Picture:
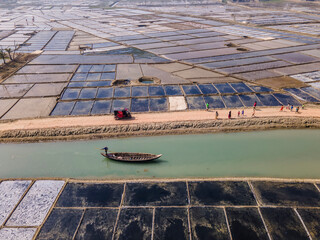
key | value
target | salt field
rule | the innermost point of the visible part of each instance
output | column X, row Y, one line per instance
column 90, row 61
column 46, row 209
column 68, row 64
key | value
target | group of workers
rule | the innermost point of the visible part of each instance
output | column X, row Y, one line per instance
column 289, row 107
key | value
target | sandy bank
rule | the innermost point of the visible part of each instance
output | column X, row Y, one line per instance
column 87, row 127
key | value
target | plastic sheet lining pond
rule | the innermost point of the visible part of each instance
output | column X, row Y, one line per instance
column 140, row 105
column 96, row 68
column 156, row 91
column 121, row 104
column 191, row 89
column 249, row 100
column 195, row 102
column 208, row 89
column 173, row 90
column 88, row 93
column 122, row 92
column 82, row 108
column 105, row 93
column 63, row 108
column 232, row 101
column 71, row 94
column 60, row 41
column 268, row 100
column 158, row 104
column 241, row 87
column 101, row 107
column 312, row 91
column 302, row 95
column 224, row 88
column 145, row 98
column 214, row 101
column 286, row 99
column 98, row 84
column 258, row 89
column 140, row 91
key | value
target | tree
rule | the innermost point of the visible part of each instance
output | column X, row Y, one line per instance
column 9, row 51
column 3, row 55
column 15, row 49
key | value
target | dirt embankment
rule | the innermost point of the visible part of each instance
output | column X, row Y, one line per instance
column 157, row 128
column 19, row 61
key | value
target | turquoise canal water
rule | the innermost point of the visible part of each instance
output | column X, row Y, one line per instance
column 279, row 153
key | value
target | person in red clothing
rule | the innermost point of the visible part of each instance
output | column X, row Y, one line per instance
column 120, row 114
column 229, row 115
column 281, row 109
column 254, row 105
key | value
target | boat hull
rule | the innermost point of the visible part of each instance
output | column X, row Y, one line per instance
column 131, row 157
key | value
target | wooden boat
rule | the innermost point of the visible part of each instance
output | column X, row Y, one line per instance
column 131, row 157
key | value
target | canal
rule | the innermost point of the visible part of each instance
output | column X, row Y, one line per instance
column 278, row 153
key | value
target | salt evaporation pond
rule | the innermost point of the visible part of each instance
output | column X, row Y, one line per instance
column 278, row 153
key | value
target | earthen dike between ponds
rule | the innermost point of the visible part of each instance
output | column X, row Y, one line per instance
column 152, row 124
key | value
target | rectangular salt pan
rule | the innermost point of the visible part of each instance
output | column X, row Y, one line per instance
column 308, row 77
column 36, row 204
column 96, row 68
column 101, row 107
column 79, row 77
column 109, row 68
column 80, row 59
column 10, row 194
column 177, row 103
column 249, row 100
column 71, row 93
column 195, row 102
column 84, row 68
column 140, row 105
column 241, row 87
column 93, row 76
column 208, row 89
column 158, row 104
column 232, row 101
column 61, row 224
column 108, row 75
column 122, row 92
column 76, row 84
column 82, row 108
column 14, row 90
column 191, row 89
column 98, row 84
column 140, row 91
column 312, row 91
column 224, row 88
column 105, row 93
column 62, row 109
column 121, row 104
column 315, row 85
column 258, row 89
column 88, row 93
column 214, row 101
column 287, row 99
column 268, row 100
column 302, row 95
column 17, row 233
column 156, row 91
column 173, row 90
